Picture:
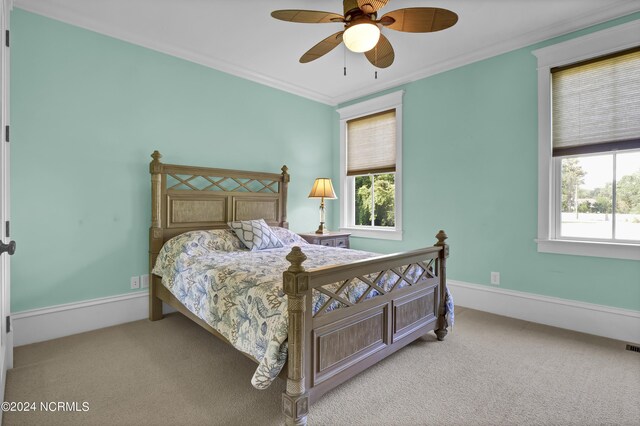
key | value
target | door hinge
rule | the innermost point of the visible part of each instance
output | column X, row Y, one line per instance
column 6, row 229
column 8, row 323
column 6, row 133
column 6, row 38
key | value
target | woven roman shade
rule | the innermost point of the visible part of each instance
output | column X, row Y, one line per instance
column 596, row 105
column 371, row 144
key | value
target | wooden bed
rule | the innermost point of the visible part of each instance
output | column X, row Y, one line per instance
column 324, row 349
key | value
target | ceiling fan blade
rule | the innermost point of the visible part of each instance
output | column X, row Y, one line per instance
column 419, row 19
column 382, row 55
column 307, row 16
column 371, row 6
column 322, row 48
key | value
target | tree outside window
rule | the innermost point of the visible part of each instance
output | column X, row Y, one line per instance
column 598, row 203
column 378, row 198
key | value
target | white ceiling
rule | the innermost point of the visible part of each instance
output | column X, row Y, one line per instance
column 240, row 37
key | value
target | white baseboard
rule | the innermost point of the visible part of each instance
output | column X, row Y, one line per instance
column 606, row 321
column 42, row 324
column 49, row 323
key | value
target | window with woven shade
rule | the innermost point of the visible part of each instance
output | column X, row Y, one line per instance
column 596, row 138
column 371, row 167
column 589, row 144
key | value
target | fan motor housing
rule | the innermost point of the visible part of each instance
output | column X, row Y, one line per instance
column 350, row 5
column 352, row 11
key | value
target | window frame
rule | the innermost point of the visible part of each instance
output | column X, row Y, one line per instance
column 582, row 48
column 347, row 183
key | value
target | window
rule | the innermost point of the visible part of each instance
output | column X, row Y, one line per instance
column 589, row 145
column 600, row 197
column 375, row 196
column 370, row 164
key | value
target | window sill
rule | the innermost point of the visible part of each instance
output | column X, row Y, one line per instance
column 382, row 234
column 590, row 248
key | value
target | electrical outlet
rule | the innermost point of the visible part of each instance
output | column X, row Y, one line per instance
column 495, row 278
column 135, row 282
column 144, row 281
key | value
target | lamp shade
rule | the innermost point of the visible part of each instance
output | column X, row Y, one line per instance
column 322, row 188
column 361, row 37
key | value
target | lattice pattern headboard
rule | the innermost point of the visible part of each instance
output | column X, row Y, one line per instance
column 185, row 198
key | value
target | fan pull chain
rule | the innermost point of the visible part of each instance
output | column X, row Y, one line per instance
column 345, row 60
column 376, row 71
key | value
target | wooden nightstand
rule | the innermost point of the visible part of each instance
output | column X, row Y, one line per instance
column 331, row 239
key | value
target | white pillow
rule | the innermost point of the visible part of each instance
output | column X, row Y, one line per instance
column 288, row 238
column 195, row 244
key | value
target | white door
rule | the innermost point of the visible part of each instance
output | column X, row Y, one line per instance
column 7, row 247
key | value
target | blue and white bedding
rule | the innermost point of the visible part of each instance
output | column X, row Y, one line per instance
column 239, row 292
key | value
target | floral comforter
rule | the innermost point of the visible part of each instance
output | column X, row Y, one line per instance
column 239, row 292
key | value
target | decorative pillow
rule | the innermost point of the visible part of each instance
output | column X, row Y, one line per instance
column 288, row 238
column 256, row 234
column 196, row 244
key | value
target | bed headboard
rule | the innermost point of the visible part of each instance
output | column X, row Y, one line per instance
column 186, row 198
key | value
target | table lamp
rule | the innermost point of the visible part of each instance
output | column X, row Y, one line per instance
column 322, row 188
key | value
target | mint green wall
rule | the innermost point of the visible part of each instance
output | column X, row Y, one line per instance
column 86, row 113
column 471, row 168
column 87, row 110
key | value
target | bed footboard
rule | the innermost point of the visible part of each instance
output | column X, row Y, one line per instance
column 328, row 346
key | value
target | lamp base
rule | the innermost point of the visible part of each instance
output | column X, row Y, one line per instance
column 321, row 229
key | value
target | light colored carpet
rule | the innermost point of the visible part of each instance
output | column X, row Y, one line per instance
column 489, row 371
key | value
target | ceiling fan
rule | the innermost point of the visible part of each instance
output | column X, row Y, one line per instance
column 362, row 28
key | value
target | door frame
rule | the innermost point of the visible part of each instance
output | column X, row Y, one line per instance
column 6, row 332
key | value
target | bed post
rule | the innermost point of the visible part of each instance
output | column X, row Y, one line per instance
column 441, row 331
column 284, row 190
column 155, row 234
column 295, row 401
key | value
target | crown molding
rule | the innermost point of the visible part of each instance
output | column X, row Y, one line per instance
column 580, row 22
column 584, row 20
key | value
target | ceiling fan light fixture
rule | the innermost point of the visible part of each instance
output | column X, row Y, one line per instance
column 361, row 32
column 361, row 37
